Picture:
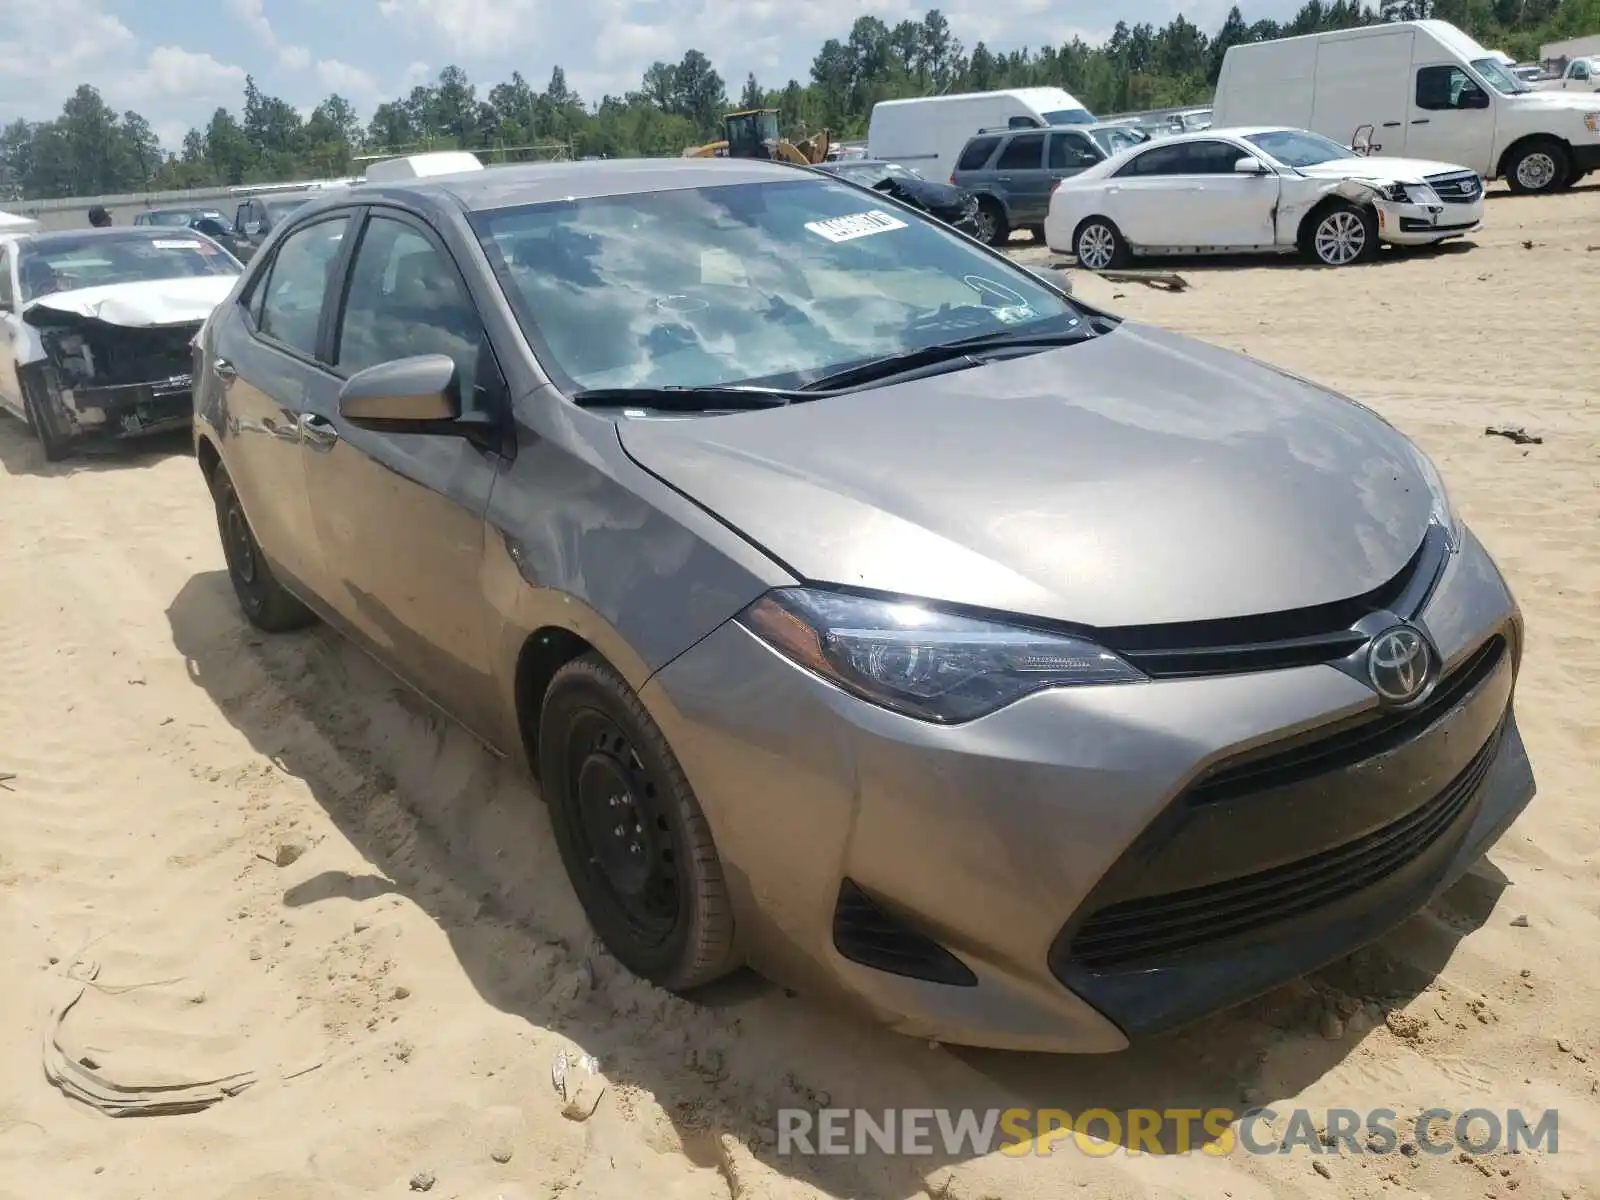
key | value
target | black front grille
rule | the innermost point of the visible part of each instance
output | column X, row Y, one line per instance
column 865, row 934
column 1155, row 927
column 1327, row 748
column 1457, row 188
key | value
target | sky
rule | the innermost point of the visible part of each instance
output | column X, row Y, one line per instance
column 175, row 61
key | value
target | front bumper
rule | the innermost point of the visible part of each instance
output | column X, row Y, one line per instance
column 1003, row 840
column 1422, row 224
column 131, row 410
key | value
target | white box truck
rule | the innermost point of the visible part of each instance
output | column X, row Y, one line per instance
column 927, row 133
column 1424, row 89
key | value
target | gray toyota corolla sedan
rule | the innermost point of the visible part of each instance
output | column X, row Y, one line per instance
column 869, row 611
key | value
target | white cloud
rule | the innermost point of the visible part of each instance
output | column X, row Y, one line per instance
column 472, row 28
column 173, row 73
column 254, row 16
column 353, row 83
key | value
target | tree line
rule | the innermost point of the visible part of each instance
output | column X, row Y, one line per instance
column 91, row 149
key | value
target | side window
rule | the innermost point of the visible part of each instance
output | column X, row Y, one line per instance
column 1445, row 88
column 977, row 153
column 1069, row 151
column 1161, row 160
column 1023, row 153
column 1211, row 158
column 291, row 303
column 1580, row 70
column 407, row 298
column 8, row 299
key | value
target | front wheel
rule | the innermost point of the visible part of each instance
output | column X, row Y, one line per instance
column 1343, row 235
column 52, row 442
column 266, row 602
column 631, row 834
column 1539, row 167
column 1099, row 245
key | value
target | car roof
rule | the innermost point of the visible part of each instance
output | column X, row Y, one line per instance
column 539, row 183
column 1234, row 131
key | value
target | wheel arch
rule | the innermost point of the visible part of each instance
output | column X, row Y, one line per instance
column 208, row 456
column 544, row 652
column 1334, row 199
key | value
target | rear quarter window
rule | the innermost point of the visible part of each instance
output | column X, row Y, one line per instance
column 977, row 153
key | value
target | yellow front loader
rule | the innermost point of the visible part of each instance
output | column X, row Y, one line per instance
column 753, row 133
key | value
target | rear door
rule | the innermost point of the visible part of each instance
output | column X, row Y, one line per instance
column 400, row 516
column 268, row 362
column 1021, row 180
column 1364, row 80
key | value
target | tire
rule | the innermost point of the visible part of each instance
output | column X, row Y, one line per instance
column 1099, row 245
column 266, row 603
column 992, row 226
column 1538, row 167
column 42, row 422
column 655, row 894
column 1341, row 234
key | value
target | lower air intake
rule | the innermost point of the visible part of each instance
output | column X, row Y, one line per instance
column 865, row 934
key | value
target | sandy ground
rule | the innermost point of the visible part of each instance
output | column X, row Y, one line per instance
column 400, row 987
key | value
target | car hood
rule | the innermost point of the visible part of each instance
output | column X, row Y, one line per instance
column 1378, row 169
column 1137, row 478
column 135, row 305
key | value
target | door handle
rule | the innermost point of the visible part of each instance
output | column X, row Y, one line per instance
column 1391, row 124
column 225, row 370
column 318, row 432
column 1004, row 178
column 1421, row 121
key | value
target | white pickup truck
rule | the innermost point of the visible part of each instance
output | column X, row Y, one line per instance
column 1581, row 75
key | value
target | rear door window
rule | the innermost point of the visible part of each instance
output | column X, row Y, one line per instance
column 1023, row 153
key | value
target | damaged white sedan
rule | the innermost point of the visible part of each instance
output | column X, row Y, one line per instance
column 1241, row 191
column 96, row 328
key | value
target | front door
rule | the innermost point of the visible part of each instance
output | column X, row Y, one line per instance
column 1069, row 153
column 400, row 516
column 265, row 359
column 1450, row 118
column 1216, row 205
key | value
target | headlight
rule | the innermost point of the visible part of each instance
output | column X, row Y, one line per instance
column 1444, row 512
column 1421, row 193
column 921, row 662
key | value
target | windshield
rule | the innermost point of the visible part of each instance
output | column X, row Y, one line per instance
column 1116, row 140
column 1299, row 148
column 1069, row 116
column 777, row 283
column 1496, row 76
column 66, row 264
column 278, row 209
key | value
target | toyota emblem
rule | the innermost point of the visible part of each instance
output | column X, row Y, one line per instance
column 1397, row 664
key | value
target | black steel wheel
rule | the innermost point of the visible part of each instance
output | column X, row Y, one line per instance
column 267, row 604
column 630, row 832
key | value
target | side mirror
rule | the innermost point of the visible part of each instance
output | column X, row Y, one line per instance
column 1052, row 277
column 252, row 229
column 1249, row 166
column 407, row 395
column 1474, row 99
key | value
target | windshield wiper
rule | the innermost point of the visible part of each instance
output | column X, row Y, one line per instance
column 676, row 398
column 879, row 369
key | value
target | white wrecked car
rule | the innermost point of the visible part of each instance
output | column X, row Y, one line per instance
column 97, row 325
column 1240, row 191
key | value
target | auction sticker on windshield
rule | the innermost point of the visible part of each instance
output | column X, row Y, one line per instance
column 173, row 245
column 856, row 225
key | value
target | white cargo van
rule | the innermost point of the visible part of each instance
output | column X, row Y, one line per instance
column 421, row 166
column 1426, row 90
column 927, row 132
